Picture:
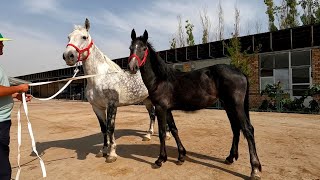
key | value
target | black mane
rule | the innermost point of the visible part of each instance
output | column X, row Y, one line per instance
column 162, row 70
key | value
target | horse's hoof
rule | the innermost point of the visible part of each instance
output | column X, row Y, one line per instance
column 228, row 162
column 255, row 175
column 111, row 159
column 146, row 137
column 156, row 166
column 168, row 137
column 101, row 154
column 179, row 162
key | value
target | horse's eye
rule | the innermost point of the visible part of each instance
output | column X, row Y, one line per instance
column 145, row 48
column 84, row 37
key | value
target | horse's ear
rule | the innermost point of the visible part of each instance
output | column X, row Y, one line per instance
column 133, row 34
column 145, row 35
column 87, row 24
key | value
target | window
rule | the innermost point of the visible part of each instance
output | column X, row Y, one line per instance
column 299, row 90
column 274, row 68
column 267, row 61
column 301, row 75
column 265, row 81
column 300, row 63
column 282, row 76
column 300, row 58
column 281, row 61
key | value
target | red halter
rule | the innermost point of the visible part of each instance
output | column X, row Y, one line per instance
column 140, row 63
column 80, row 51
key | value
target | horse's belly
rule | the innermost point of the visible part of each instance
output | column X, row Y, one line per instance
column 132, row 97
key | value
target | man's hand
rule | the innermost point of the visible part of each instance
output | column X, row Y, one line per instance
column 23, row 88
column 19, row 97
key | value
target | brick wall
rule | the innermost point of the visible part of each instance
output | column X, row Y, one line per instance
column 316, row 66
column 254, row 91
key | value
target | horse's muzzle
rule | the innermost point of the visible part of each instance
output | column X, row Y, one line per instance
column 133, row 70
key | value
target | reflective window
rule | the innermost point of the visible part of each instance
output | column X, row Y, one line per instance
column 299, row 58
column 301, row 75
column 299, row 90
column 281, row 60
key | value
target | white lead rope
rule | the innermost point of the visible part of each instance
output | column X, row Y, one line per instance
column 25, row 107
column 57, row 93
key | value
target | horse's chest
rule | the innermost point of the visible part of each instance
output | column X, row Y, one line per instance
column 96, row 97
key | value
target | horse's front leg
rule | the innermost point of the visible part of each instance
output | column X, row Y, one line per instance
column 111, row 118
column 101, row 115
column 174, row 131
column 161, row 116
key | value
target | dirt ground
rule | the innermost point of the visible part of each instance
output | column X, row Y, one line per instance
column 68, row 137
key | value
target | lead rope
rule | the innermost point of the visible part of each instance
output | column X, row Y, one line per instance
column 25, row 107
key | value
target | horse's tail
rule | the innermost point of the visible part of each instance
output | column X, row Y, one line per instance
column 246, row 100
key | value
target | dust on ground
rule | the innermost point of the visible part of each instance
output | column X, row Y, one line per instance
column 68, row 137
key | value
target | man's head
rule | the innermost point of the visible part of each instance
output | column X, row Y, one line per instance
column 1, row 43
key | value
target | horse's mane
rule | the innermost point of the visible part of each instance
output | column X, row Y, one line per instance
column 161, row 69
column 112, row 64
column 78, row 27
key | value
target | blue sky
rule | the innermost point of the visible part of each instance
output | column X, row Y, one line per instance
column 40, row 27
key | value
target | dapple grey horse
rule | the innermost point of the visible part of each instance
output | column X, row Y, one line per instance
column 110, row 88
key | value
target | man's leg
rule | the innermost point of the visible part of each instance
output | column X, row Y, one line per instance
column 5, row 167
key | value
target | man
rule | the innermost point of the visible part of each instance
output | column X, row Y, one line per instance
column 7, row 94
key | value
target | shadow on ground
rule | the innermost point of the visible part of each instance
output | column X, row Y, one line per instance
column 92, row 144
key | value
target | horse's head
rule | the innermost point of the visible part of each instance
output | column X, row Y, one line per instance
column 80, row 42
column 138, row 51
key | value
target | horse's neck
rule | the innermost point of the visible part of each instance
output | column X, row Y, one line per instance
column 98, row 63
column 150, row 73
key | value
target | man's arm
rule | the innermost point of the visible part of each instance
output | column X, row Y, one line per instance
column 7, row 91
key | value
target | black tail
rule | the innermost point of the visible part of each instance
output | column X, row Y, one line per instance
column 246, row 100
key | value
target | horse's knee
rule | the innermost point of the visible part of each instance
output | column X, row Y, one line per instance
column 248, row 131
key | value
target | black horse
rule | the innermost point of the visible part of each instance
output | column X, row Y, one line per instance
column 172, row 90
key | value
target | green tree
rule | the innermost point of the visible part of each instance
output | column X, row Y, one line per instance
column 292, row 17
column 240, row 59
column 311, row 12
column 270, row 12
column 287, row 14
column 173, row 43
column 189, row 30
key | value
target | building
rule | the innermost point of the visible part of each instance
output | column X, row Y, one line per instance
column 291, row 56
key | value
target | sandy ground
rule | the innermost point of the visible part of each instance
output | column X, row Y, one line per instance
column 68, row 137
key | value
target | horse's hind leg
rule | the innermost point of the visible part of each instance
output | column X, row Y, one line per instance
column 248, row 132
column 235, row 126
column 100, row 113
column 151, row 110
column 111, row 117
column 174, row 131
